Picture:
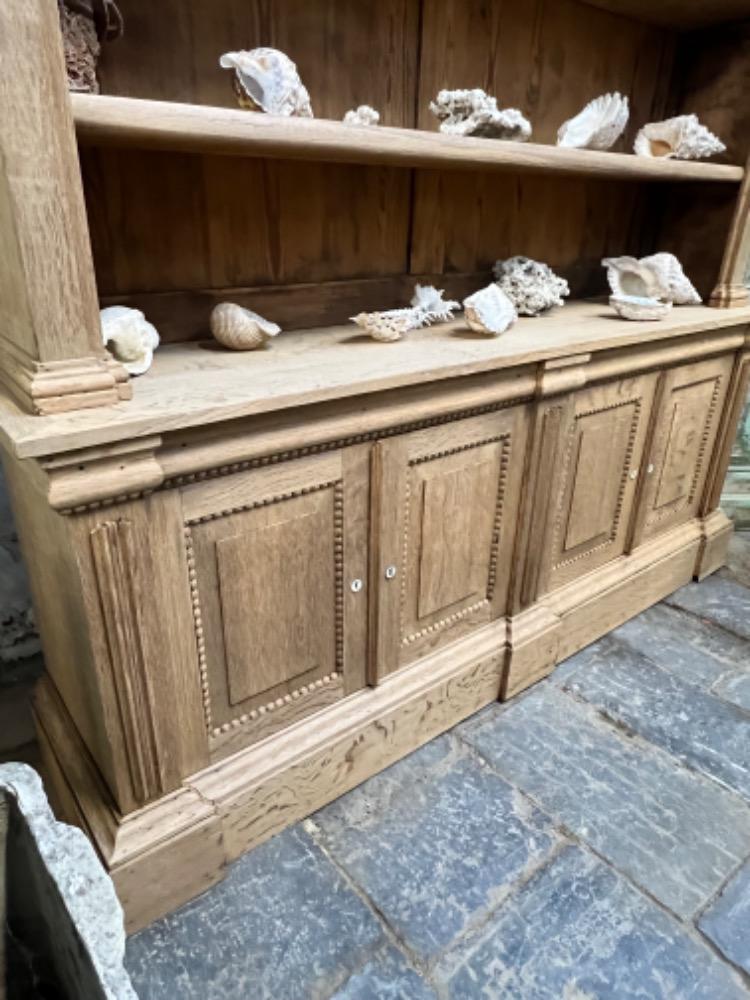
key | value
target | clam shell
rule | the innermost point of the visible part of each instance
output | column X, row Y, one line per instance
column 129, row 337
column 598, row 126
column 363, row 115
column 267, row 80
column 385, row 326
column 639, row 307
column 489, row 311
column 680, row 138
column 240, row 329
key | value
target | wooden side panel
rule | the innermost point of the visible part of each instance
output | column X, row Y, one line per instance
column 599, row 472
column 447, row 499
column 685, row 428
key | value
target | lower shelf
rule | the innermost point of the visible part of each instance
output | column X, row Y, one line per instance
column 170, row 851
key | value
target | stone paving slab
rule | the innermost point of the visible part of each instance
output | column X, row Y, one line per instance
column 727, row 922
column 283, row 925
column 735, row 688
column 705, row 732
column 443, row 850
column 386, row 977
column 673, row 832
column 577, row 931
column 684, row 645
column 718, row 600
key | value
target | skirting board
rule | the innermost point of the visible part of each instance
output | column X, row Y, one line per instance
column 172, row 850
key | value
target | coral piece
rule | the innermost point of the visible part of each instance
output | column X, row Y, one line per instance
column 240, row 329
column 85, row 24
column 129, row 337
column 267, row 80
column 427, row 306
column 681, row 138
column 363, row 115
column 489, row 311
column 473, row 112
column 532, row 286
column 659, row 276
column 598, row 126
column 639, row 307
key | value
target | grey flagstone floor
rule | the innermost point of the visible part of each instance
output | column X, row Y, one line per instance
column 590, row 839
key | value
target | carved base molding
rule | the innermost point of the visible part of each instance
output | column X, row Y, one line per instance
column 166, row 853
column 729, row 296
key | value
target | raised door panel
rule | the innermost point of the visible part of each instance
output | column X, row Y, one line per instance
column 685, row 428
column 267, row 555
column 444, row 527
column 597, row 479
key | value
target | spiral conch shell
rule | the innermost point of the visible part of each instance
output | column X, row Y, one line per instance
column 598, row 126
column 240, row 329
column 129, row 337
column 680, row 138
column 659, row 276
column 267, row 80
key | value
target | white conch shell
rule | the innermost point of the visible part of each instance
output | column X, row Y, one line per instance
column 363, row 115
column 681, row 138
column 129, row 337
column 659, row 276
column 531, row 286
column 385, row 326
column 489, row 311
column 598, row 126
column 267, row 80
column 473, row 112
column 427, row 306
column 240, row 329
column 639, row 307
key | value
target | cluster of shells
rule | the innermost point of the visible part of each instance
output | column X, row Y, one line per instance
column 646, row 289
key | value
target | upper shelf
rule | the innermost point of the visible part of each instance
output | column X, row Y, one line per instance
column 685, row 15
column 126, row 121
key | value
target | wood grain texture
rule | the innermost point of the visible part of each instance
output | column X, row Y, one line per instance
column 682, row 14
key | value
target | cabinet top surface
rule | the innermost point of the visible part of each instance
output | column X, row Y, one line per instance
column 199, row 383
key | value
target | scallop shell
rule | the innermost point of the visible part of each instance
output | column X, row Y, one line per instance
column 659, row 276
column 129, row 337
column 240, row 329
column 639, row 307
column 680, row 138
column 474, row 112
column 267, row 80
column 489, row 311
column 531, row 285
column 363, row 115
column 598, row 126
column 385, row 326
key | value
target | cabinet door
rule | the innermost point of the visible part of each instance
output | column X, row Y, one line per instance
column 596, row 481
column 270, row 553
column 445, row 502
column 686, row 422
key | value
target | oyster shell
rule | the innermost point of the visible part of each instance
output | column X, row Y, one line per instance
column 489, row 311
column 680, row 138
column 267, row 80
column 639, row 307
column 598, row 126
column 129, row 337
column 363, row 115
column 531, row 285
column 240, row 329
column 473, row 112
column 659, row 276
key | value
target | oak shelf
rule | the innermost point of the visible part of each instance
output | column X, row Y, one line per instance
column 165, row 125
column 197, row 383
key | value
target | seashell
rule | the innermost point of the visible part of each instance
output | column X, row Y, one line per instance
column 363, row 115
column 429, row 306
column 639, row 307
column 385, row 326
column 680, row 138
column 531, row 286
column 598, row 126
column 129, row 337
column 489, row 310
column 659, row 276
column 240, row 329
column 267, row 80
column 473, row 112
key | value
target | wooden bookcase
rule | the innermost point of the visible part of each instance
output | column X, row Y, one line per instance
column 261, row 578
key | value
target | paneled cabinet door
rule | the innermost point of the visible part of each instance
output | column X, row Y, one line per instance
column 271, row 553
column 445, row 503
column 686, row 421
column 596, row 477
